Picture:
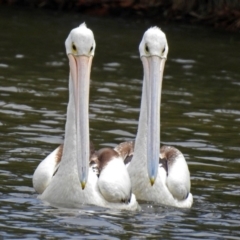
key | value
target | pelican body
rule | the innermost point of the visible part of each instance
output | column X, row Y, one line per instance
column 156, row 176
column 82, row 177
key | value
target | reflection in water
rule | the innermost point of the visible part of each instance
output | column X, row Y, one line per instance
column 200, row 116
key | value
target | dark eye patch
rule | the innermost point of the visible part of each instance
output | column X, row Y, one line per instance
column 146, row 48
column 74, row 47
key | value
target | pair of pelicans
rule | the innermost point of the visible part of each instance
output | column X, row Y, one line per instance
column 74, row 174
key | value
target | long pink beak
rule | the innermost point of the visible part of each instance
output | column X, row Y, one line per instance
column 80, row 67
column 153, row 75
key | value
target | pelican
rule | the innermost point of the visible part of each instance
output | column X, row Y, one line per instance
column 156, row 176
column 73, row 175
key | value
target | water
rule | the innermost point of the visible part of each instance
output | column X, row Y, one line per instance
column 200, row 116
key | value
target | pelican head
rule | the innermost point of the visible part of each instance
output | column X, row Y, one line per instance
column 153, row 52
column 80, row 47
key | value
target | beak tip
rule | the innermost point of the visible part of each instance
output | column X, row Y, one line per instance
column 152, row 180
column 83, row 185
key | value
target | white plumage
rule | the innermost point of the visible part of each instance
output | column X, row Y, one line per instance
column 119, row 188
column 170, row 185
column 74, row 183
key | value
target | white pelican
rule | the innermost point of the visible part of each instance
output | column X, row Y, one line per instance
column 158, row 177
column 72, row 183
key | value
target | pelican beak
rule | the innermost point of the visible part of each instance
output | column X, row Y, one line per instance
column 153, row 75
column 80, row 67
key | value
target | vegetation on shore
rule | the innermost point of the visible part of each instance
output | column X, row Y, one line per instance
column 218, row 13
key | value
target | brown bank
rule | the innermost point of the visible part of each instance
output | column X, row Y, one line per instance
column 218, row 13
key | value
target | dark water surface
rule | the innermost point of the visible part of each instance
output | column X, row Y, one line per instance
column 200, row 116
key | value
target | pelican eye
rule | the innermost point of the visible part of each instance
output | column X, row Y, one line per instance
column 146, row 49
column 74, row 47
column 91, row 48
column 163, row 50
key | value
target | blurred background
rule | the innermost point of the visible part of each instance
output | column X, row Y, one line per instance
column 218, row 13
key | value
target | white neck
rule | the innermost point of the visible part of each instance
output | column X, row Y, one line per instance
column 69, row 148
column 140, row 150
